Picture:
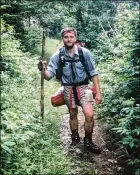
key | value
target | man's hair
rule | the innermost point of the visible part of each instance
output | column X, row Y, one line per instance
column 68, row 29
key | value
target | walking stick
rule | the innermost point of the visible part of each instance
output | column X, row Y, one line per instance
column 42, row 76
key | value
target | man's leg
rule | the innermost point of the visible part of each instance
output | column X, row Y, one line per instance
column 88, row 127
column 89, row 121
column 73, row 121
column 73, row 111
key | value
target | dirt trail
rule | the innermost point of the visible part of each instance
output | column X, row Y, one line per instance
column 87, row 163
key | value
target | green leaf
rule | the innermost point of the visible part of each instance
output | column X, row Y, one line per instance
column 6, row 148
column 125, row 141
column 131, row 144
column 8, row 143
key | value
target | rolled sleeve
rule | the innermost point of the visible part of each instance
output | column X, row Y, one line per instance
column 53, row 65
column 89, row 61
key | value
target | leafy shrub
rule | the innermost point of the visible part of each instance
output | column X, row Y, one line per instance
column 29, row 145
column 120, row 82
column 32, row 39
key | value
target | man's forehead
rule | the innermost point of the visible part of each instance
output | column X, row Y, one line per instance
column 68, row 33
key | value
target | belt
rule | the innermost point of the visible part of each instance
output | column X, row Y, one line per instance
column 85, row 82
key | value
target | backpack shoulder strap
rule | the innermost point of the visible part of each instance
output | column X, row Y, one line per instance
column 61, row 57
column 82, row 59
column 61, row 54
column 59, row 71
column 81, row 55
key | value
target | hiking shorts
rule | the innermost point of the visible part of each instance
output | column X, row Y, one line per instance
column 85, row 96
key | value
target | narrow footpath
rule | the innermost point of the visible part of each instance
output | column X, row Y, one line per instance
column 87, row 163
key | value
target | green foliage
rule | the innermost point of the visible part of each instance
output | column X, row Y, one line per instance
column 128, row 126
column 29, row 145
column 10, row 12
column 51, row 45
column 118, row 61
column 32, row 38
column 9, row 50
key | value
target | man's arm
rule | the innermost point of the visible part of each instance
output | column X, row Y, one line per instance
column 93, row 74
column 42, row 66
column 51, row 67
column 98, row 97
column 47, row 75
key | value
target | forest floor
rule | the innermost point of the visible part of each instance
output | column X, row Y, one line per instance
column 87, row 163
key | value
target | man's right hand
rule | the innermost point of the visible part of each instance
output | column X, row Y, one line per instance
column 41, row 65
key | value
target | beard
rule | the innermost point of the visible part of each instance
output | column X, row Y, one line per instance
column 69, row 47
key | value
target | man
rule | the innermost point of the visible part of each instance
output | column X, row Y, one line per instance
column 75, row 78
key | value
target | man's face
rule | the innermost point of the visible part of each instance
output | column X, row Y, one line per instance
column 69, row 39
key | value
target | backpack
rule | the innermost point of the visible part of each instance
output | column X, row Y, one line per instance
column 58, row 99
column 59, row 72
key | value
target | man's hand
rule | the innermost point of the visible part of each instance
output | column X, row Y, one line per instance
column 98, row 98
column 41, row 65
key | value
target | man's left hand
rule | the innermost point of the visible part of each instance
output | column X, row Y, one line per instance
column 98, row 98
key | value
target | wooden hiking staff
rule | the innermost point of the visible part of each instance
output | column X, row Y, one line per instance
column 42, row 75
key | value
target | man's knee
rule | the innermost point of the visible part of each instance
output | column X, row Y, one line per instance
column 89, row 114
column 88, row 110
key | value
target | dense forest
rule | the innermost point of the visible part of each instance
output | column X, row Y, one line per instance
column 111, row 31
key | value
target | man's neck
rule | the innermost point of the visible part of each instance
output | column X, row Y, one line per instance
column 70, row 51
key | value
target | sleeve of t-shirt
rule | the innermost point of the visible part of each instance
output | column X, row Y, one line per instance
column 90, row 64
column 53, row 64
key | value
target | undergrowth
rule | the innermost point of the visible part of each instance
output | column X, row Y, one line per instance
column 29, row 144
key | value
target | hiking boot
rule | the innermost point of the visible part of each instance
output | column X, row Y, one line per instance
column 75, row 139
column 90, row 146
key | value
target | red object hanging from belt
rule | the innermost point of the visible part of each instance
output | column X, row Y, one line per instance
column 70, row 99
column 93, row 90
